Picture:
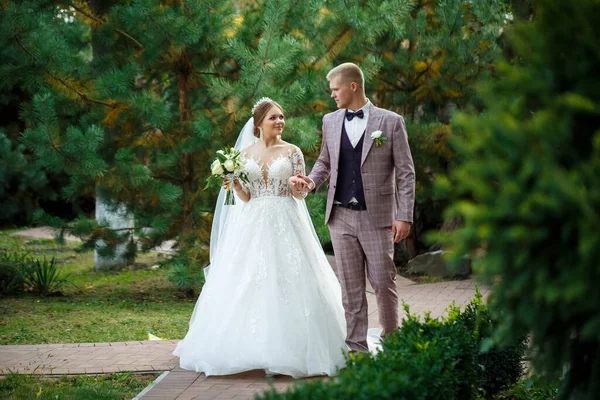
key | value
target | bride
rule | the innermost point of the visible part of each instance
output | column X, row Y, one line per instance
column 271, row 300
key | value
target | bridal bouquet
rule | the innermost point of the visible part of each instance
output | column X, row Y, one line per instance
column 228, row 164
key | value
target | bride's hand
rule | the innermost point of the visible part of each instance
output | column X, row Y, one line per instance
column 236, row 183
column 305, row 183
column 296, row 183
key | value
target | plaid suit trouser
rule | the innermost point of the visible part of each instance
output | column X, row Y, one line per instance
column 362, row 248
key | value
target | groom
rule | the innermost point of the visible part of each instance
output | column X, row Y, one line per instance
column 370, row 198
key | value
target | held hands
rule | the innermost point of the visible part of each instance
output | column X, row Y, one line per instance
column 300, row 183
column 298, row 186
column 400, row 229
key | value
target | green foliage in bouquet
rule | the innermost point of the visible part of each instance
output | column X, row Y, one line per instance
column 228, row 163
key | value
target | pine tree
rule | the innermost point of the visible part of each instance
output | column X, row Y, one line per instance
column 427, row 72
column 19, row 179
column 527, row 188
column 24, row 184
column 175, row 81
column 143, row 121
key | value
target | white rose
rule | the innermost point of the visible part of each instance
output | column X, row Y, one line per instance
column 220, row 152
column 229, row 165
column 216, row 168
column 376, row 134
column 239, row 167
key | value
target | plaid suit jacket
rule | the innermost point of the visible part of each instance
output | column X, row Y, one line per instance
column 388, row 171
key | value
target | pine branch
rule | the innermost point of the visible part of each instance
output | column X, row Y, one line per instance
column 101, row 21
column 83, row 96
column 332, row 45
column 167, row 34
column 218, row 74
column 293, row 5
column 456, row 18
column 264, row 62
column 395, row 86
column 167, row 177
column 119, row 229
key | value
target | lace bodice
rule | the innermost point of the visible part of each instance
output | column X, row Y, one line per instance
column 270, row 178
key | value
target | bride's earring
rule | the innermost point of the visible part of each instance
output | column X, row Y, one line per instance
column 260, row 136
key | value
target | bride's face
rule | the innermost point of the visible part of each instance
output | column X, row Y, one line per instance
column 273, row 123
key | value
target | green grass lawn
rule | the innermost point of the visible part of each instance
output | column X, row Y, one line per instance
column 100, row 307
column 101, row 387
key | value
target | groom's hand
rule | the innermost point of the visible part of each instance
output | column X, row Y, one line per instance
column 400, row 229
column 306, row 184
column 298, row 183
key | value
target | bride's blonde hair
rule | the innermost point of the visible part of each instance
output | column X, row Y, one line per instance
column 260, row 112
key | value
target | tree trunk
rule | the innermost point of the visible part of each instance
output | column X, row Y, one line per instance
column 185, row 114
column 117, row 219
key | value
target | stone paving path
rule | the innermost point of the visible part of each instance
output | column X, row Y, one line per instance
column 187, row 385
column 88, row 358
column 156, row 356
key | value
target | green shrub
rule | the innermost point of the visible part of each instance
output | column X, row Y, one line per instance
column 186, row 279
column 11, row 277
column 497, row 366
column 500, row 367
column 43, row 276
column 527, row 185
column 529, row 389
column 424, row 359
column 187, row 267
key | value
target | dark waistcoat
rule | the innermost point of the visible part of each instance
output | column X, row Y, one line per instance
column 349, row 179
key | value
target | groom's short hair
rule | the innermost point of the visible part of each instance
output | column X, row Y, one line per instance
column 348, row 73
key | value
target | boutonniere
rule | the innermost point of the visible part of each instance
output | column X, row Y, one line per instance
column 378, row 137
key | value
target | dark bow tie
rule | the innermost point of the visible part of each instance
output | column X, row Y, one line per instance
column 350, row 115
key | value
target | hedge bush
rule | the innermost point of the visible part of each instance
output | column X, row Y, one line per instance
column 11, row 276
column 424, row 359
column 527, row 187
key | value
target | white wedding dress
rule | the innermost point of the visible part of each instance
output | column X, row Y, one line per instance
column 271, row 300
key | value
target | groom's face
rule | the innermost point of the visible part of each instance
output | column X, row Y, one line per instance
column 341, row 92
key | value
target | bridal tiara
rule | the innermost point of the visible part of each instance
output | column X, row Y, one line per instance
column 259, row 102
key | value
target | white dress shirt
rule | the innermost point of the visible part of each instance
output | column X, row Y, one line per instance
column 357, row 126
column 355, row 130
